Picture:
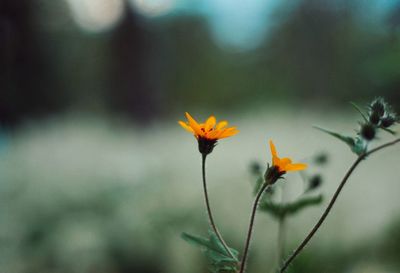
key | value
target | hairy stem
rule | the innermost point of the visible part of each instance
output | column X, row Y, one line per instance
column 332, row 202
column 209, row 213
column 251, row 225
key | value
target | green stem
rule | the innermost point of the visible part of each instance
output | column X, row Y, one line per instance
column 251, row 225
column 332, row 202
column 209, row 213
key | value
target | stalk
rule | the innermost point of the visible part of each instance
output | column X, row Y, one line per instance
column 332, row 202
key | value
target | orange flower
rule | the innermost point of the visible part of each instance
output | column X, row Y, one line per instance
column 209, row 130
column 284, row 164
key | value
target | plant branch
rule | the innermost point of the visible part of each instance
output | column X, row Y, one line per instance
column 251, row 225
column 332, row 202
column 209, row 213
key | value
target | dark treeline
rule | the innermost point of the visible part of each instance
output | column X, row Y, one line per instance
column 321, row 52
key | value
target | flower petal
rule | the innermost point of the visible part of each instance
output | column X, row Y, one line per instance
column 295, row 167
column 185, row 126
column 276, row 161
column 228, row 132
column 285, row 161
column 193, row 123
column 221, row 124
column 273, row 149
column 210, row 123
column 213, row 134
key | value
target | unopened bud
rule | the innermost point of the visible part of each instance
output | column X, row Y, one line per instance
column 321, row 158
column 273, row 174
column 378, row 107
column 315, row 182
column 206, row 146
column 388, row 121
column 374, row 118
column 368, row 131
column 255, row 168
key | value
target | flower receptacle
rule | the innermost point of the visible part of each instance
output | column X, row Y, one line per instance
column 206, row 146
column 273, row 174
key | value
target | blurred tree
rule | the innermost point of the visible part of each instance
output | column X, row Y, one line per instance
column 26, row 81
column 323, row 51
column 135, row 77
column 312, row 52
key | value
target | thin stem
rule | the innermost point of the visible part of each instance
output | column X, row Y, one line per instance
column 251, row 225
column 281, row 240
column 332, row 202
column 209, row 213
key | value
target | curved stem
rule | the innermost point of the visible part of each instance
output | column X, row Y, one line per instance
column 209, row 213
column 251, row 225
column 332, row 202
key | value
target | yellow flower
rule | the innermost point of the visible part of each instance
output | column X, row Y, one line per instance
column 209, row 130
column 284, row 164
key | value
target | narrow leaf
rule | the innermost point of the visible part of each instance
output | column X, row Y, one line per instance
column 281, row 210
column 357, row 146
column 220, row 261
column 303, row 203
column 359, row 110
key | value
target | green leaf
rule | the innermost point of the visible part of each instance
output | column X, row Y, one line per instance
column 357, row 145
column 196, row 240
column 359, row 110
column 303, row 203
column 346, row 139
column 281, row 210
column 219, row 259
column 276, row 210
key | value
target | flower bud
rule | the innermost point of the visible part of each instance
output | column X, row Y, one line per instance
column 378, row 107
column 206, row 146
column 368, row 131
column 321, row 159
column 273, row 174
column 255, row 168
column 374, row 118
column 388, row 121
column 315, row 182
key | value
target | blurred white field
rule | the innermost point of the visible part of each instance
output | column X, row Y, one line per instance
column 95, row 182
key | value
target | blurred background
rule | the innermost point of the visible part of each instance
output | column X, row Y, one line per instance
column 97, row 176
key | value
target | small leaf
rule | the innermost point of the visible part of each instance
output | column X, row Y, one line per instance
column 359, row 110
column 195, row 240
column 276, row 210
column 280, row 210
column 357, row 145
column 303, row 203
column 348, row 140
column 220, row 261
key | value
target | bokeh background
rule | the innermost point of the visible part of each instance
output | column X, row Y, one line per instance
column 96, row 176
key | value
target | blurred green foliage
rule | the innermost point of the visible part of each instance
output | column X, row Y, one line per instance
column 218, row 257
